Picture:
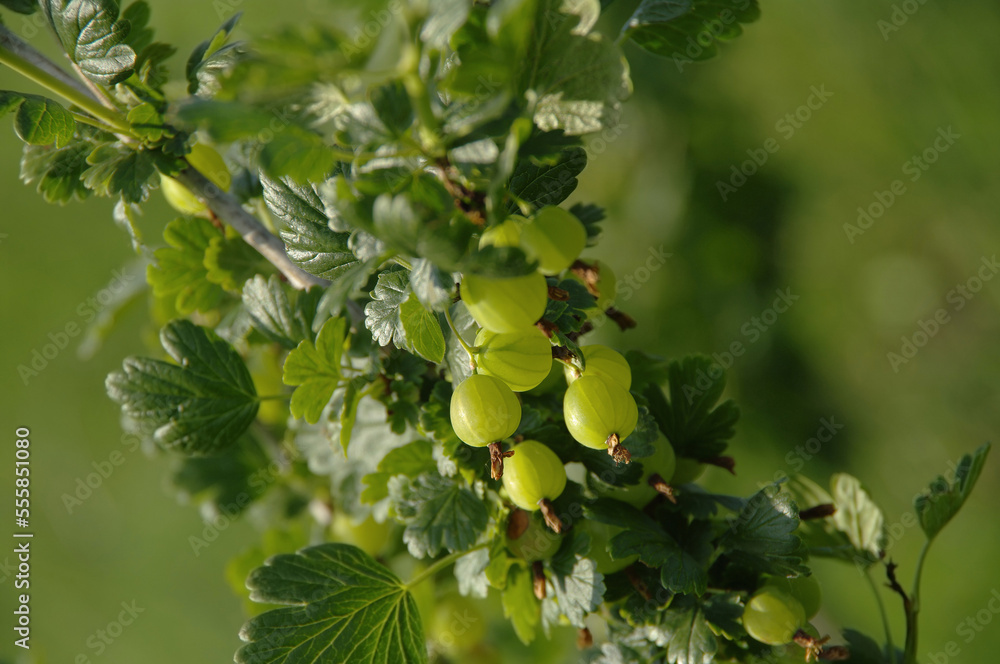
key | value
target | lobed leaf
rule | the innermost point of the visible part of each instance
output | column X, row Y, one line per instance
column 199, row 406
column 315, row 370
column 944, row 498
column 340, row 605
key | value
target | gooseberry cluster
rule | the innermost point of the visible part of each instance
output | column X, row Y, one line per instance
column 513, row 354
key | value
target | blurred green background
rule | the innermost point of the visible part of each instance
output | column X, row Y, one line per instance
column 783, row 229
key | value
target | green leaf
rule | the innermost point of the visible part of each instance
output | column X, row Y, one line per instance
column 119, row 170
column 445, row 17
column 382, row 314
column 38, row 120
column 20, row 6
column 228, row 482
column 57, row 172
column 341, row 605
column 179, row 270
column 125, row 215
column 858, row 516
column 212, row 58
column 439, row 513
column 538, row 185
column 432, row 285
column 411, row 460
column 274, row 541
column 691, row 421
column 200, row 405
column 685, row 633
column 422, row 330
column 230, row 262
column 310, row 242
column 315, row 370
column 519, row 603
column 298, row 154
column 579, row 591
column 283, row 315
column 764, row 532
column 590, row 216
column 944, row 498
column 147, row 122
column 457, row 357
column 569, row 315
column 724, row 612
column 580, row 78
column 93, row 37
column 688, row 30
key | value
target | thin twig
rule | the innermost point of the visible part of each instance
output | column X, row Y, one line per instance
column 16, row 45
column 253, row 232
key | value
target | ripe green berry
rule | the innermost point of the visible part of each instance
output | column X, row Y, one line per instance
column 553, row 237
column 600, row 414
column 484, row 411
column 600, row 535
column 687, row 470
column 520, row 359
column 773, row 617
column 504, row 234
column 536, row 542
column 459, row 623
column 805, row 589
column 534, row 476
column 605, row 362
column 657, row 470
column 508, row 304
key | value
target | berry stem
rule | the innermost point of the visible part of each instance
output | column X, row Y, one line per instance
column 658, row 483
column 538, row 579
column 551, row 519
column 617, row 451
column 497, row 455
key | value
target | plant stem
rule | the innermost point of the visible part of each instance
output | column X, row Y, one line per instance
column 436, row 567
column 11, row 42
column 269, row 246
column 910, row 653
column 68, row 92
column 87, row 120
column 454, row 330
column 885, row 617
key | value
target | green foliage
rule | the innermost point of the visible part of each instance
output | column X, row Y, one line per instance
column 315, row 370
column 380, row 163
column 202, row 404
column 335, row 597
column 179, row 270
column 38, row 120
column 688, row 30
column 93, row 36
column 944, row 498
